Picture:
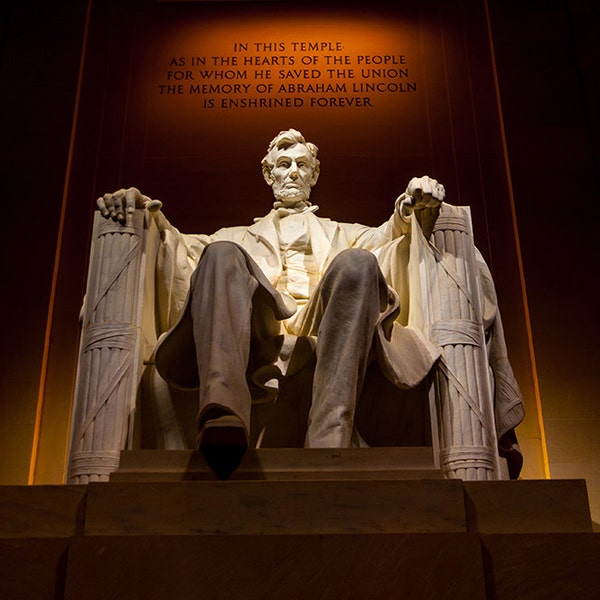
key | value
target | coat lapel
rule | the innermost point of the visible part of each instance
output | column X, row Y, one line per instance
column 262, row 242
column 324, row 240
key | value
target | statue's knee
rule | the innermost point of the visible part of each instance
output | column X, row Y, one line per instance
column 222, row 250
column 220, row 259
column 356, row 263
column 223, row 255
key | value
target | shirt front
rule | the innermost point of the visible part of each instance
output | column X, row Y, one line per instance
column 300, row 270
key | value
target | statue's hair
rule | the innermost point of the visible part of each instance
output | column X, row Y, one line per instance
column 285, row 139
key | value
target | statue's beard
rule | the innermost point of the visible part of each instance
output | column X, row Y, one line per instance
column 291, row 197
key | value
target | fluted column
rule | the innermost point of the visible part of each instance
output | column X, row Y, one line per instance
column 109, row 363
column 453, row 320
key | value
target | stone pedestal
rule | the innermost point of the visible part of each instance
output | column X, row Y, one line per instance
column 301, row 531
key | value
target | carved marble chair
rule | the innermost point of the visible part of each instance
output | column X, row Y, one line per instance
column 121, row 402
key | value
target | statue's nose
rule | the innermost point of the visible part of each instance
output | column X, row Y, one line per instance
column 294, row 172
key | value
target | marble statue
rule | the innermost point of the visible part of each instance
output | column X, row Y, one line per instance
column 245, row 307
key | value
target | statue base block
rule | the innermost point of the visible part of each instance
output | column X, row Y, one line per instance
column 298, row 532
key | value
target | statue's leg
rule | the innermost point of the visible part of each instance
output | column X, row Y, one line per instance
column 223, row 290
column 343, row 313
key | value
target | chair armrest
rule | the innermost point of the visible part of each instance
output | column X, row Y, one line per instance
column 118, row 330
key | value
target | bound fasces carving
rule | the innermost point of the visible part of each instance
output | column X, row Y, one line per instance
column 235, row 303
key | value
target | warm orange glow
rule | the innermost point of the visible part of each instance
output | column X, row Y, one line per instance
column 216, row 76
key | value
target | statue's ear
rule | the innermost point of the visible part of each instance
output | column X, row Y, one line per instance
column 268, row 175
column 315, row 175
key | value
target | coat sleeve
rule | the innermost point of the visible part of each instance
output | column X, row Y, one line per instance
column 373, row 238
column 177, row 257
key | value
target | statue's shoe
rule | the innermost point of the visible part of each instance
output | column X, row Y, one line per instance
column 223, row 441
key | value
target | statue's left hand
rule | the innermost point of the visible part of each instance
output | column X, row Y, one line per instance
column 422, row 198
column 425, row 192
column 422, row 195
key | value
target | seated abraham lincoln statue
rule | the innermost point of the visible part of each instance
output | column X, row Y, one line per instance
column 354, row 294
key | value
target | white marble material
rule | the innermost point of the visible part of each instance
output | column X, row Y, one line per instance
column 441, row 317
column 109, row 367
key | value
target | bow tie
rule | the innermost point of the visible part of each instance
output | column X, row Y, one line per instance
column 282, row 211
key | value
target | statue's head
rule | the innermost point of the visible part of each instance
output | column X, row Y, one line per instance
column 291, row 167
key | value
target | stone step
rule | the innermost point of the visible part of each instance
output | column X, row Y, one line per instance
column 432, row 566
column 333, row 506
column 269, row 567
column 294, row 506
column 283, row 464
column 275, row 507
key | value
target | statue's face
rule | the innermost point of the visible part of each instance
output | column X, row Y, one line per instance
column 293, row 174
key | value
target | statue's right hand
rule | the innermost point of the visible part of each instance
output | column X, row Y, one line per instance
column 118, row 205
